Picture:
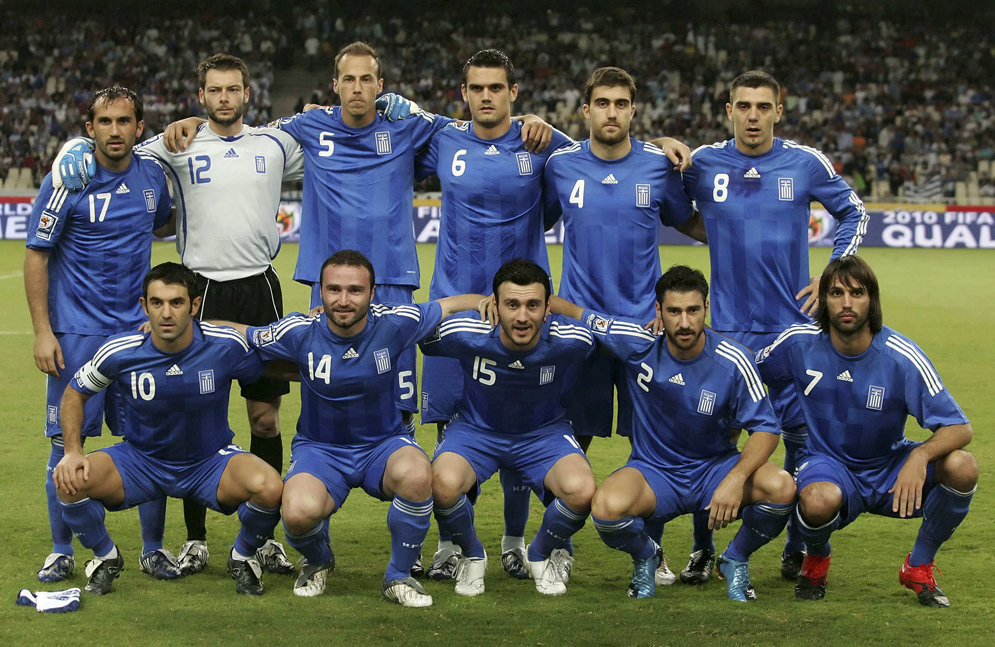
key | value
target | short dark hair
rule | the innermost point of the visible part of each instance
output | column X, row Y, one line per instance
column 611, row 77
column 349, row 258
column 172, row 274
column 223, row 63
column 107, row 95
column 683, row 279
column 490, row 58
column 756, row 79
column 359, row 48
column 850, row 270
column 522, row 272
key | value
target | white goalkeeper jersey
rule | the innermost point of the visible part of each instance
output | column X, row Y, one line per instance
column 227, row 196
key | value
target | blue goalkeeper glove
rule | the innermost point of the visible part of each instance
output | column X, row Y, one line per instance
column 395, row 107
column 75, row 165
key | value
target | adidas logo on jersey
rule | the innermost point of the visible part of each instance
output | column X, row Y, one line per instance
column 492, row 150
column 123, row 189
column 231, row 153
column 516, row 364
column 844, row 376
column 752, row 174
column 174, row 370
column 610, row 179
column 677, row 379
column 350, row 354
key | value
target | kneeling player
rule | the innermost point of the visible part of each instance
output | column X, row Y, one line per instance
column 509, row 416
column 349, row 434
column 175, row 383
column 859, row 383
column 688, row 389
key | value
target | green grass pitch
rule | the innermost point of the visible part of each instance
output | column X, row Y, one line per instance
column 943, row 299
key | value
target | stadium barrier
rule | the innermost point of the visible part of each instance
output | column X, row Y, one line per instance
column 890, row 225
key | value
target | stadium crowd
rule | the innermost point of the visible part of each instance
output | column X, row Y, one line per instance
column 909, row 107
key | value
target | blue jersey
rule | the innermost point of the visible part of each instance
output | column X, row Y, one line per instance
column 508, row 391
column 358, row 190
column 756, row 211
column 347, row 383
column 612, row 211
column 856, row 407
column 683, row 410
column 491, row 205
column 99, row 243
column 176, row 404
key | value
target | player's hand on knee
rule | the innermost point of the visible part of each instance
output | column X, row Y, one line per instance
column 75, row 165
column 395, row 107
column 48, row 354
column 71, row 473
column 536, row 134
column 676, row 151
column 908, row 486
column 179, row 134
column 811, row 295
column 723, row 509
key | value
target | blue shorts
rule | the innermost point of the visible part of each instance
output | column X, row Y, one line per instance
column 344, row 467
column 784, row 401
column 441, row 388
column 532, row 455
column 406, row 386
column 681, row 491
column 863, row 490
column 106, row 405
column 146, row 478
column 589, row 397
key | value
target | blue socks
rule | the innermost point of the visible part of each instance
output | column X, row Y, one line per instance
column 944, row 510
column 704, row 537
column 516, row 502
column 559, row 523
column 86, row 518
column 761, row 522
column 816, row 538
column 408, row 522
column 456, row 521
column 152, row 516
column 794, row 442
column 62, row 535
column 626, row 534
column 257, row 525
column 314, row 544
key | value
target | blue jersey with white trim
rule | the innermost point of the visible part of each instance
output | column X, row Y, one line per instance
column 99, row 243
column 491, row 205
column 612, row 211
column 176, row 404
column 683, row 410
column 507, row 391
column 347, row 383
column 358, row 190
column 757, row 214
column 856, row 406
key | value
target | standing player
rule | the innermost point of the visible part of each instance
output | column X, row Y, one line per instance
column 174, row 383
column 613, row 192
column 491, row 203
column 754, row 193
column 689, row 387
column 350, row 434
column 509, row 416
column 228, row 183
column 859, row 381
column 82, row 275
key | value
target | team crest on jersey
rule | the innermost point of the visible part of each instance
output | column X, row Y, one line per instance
column 206, row 379
column 524, row 163
column 763, row 354
column 263, row 336
column 46, row 225
column 150, row 200
column 598, row 324
column 53, row 415
column 383, row 142
column 875, row 398
column 785, row 189
column 382, row 358
column 546, row 374
column 706, row 403
column 260, row 164
column 642, row 195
